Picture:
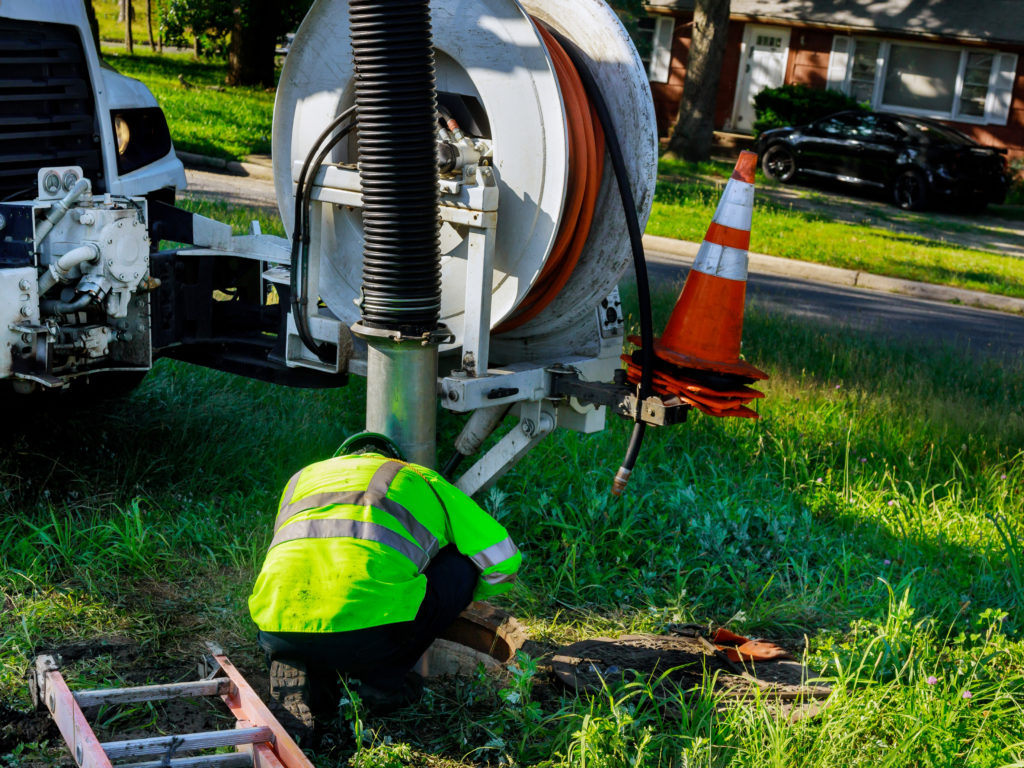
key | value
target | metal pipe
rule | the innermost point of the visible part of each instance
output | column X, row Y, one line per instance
column 59, row 271
column 401, row 396
column 60, row 208
column 400, row 301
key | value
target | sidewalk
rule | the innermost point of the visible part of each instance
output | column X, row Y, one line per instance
column 684, row 252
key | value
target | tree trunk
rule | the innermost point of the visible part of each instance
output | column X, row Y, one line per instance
column 149, row 24
column 121, row 10
column 253, row 41
column 129, row 43
column 695, row 126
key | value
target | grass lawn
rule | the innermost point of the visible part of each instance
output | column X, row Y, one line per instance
column 683, row 209
column 873, row 512
column 226, row 122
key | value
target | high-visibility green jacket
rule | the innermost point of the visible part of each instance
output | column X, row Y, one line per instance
column 353, row 536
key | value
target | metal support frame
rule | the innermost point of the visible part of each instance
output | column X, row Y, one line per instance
column 471, row 203
column 537, row 419
column 259, row 739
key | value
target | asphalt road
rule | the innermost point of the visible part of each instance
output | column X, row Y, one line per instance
column 909, row 319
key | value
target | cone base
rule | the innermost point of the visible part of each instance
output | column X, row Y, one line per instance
column 737, row 367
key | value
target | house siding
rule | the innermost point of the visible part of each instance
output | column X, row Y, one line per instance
column 809, row 51
column 668, row 95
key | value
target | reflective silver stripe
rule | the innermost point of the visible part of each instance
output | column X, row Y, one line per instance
column 353, row 529
column 374, row 496
column 314, row 502
column 286, row 497
column 416, row 529
column 495, row 554
column 382, row 479
column 498, row 578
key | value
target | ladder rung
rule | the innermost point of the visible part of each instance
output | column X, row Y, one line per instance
column 216, row 687
column 230, row 760
column 188, row 742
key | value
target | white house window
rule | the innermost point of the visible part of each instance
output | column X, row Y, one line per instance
column 921, row 79
column 965, row 84
column 862, row 70
column 657, row 55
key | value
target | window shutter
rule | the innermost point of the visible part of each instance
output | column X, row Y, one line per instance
column 661, row 49
column 838, row 64
column 1000, row 88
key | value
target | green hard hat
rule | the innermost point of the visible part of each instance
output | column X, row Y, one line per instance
column 370, row 442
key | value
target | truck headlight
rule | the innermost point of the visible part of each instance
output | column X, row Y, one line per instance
column 142, row 137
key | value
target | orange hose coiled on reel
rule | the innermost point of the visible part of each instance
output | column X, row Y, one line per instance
column 586, row 167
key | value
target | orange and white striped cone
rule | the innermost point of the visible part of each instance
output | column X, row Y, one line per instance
column 706, row 325
column 697, row 356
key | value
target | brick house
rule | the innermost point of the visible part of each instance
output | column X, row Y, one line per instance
column 951, row 60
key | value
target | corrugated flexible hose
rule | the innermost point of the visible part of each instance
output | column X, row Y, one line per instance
column 395, row 96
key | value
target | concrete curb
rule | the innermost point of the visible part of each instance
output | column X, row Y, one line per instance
column 686, row 251
column 259, row 170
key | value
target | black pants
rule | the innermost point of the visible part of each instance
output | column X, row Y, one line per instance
column 381, row 656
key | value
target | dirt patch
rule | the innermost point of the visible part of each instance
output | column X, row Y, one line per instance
column 686, row 663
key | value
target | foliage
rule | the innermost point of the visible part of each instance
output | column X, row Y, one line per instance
column 796, row 105
column 1015, row 194
column 630, row 12
column 208, row 22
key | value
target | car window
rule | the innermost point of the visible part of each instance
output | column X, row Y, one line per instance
column 933, row 133
column 875, row 128
column 838, row 126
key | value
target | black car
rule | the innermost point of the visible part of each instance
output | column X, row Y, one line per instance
column 918, row 162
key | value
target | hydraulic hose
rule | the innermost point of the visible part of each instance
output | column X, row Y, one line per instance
column 636, row 246
column 396, row 98
column 59, row 271
column 59, row 208
column 57, row 307
column 301, row 230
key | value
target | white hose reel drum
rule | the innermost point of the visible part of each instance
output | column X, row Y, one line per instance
column 489, row 53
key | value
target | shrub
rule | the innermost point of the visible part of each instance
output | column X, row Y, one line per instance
column 796, row 105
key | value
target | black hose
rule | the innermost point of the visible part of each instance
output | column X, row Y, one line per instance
column 636, row 244
column 300, row 232
column 396, row 97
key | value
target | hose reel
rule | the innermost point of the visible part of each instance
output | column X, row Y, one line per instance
column 494, row 67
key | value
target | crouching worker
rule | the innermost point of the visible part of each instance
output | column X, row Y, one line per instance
column 372, row 559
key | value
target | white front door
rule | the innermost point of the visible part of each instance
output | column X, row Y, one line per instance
column 764, row 54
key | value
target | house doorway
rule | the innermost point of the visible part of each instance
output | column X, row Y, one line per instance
column 763, row 65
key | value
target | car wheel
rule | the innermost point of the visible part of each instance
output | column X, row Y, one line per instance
column 910, row 191
column 779, row 163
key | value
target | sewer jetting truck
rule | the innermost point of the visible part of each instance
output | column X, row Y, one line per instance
column 463, row 246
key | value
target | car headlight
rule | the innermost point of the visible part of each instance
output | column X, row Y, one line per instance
column 141, row 135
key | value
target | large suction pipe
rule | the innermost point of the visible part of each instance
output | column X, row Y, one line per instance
column 401, row 297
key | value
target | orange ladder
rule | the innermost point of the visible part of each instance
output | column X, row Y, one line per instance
column 259, row 739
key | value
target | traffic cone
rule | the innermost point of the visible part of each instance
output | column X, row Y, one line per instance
column 698, row 354
column 706, row 325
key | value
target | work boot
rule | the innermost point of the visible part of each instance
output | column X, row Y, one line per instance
column 381, row 700
column 290, row 699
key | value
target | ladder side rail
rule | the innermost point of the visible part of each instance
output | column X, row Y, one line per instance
column 246, row 705
column 55, row 695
